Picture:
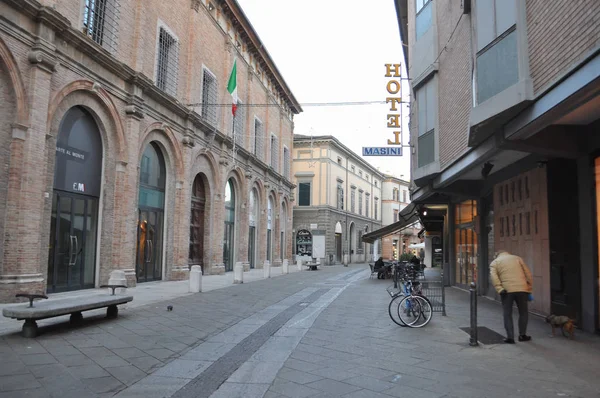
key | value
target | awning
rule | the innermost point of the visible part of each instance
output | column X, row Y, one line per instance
column 407, row 217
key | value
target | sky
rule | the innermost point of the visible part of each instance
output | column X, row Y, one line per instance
column 332, row 51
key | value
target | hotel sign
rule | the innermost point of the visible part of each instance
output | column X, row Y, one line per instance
column 394, row 117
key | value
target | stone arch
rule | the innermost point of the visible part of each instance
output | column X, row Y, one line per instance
column 22, row 116
column 170, row 146
column 96, row 100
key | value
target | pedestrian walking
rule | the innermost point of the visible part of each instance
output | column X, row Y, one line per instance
column 512, row 280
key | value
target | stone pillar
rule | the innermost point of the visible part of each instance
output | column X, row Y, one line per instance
column 196, row 279
column 238, row 273
column 218, row 211
column 25, row 262
column 299, row 265
column 267, row 269
column 285, row 267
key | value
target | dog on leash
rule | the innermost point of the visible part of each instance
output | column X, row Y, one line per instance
column 566, row 324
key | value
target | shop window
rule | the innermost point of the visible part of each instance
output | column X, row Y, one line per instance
column 304, row 243
column 466, row 245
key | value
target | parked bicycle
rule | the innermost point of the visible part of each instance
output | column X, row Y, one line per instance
column 408, row 306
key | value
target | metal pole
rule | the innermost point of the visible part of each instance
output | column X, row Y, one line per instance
column 395, row 276
column 473, row 293
column 443, row 293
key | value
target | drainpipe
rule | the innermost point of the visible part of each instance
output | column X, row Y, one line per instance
column 345, row 259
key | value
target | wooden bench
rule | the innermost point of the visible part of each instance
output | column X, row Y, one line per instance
column 312, row 266
column 53, row 308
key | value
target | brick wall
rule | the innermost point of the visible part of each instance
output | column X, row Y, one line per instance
column 454, row 81
column 78, row 80
column 560, row 33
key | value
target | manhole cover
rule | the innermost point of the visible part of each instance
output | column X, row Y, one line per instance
column 485, row 335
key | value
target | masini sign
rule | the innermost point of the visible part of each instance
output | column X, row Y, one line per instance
column 382, row 151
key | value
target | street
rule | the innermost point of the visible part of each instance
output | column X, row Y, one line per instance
column 307, row 334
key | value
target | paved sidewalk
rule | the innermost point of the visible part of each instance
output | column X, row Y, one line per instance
column 149, row 293
column 308, row 334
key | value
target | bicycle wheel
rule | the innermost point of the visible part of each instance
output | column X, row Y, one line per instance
column 415, row 311
column 393, row 310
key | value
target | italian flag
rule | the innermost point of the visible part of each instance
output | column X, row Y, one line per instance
column 232, row 87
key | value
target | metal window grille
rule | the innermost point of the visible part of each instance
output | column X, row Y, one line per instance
column 286, row 163
column 352, row 201
column 258, row 138
column 367, row 206
column 209, row 98
column 168, row 60
column 274, row 153
column 238, row 123
column 101, row 22
column 376, row 204
column 340, row 197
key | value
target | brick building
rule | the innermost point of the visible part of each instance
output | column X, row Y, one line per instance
column 504, row 118
column 338, row 200
column 119, row 150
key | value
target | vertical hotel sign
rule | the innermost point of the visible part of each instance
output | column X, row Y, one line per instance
column 394, row 117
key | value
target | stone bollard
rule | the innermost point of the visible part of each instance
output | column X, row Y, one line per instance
column 238, row 272
column 267, row 269
column 196, row 279
column 117, row 277
column 299, row 265
column 285, row 267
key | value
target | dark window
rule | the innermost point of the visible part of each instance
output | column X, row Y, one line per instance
column 501, row 190
column 395, row 215
column 94, row 19
column 166, row 71
column 501, row 227
column 304, row 194
column 514, row 225
column 507, row 226
column 506, row 194
column 209, row 98
column 520, row 189
column 528, row 223
column 526, row 187
column 535, row 221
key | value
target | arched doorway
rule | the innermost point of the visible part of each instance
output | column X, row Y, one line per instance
column 196, row 256
column 282, row 229
column 151, row 205
column 74, row 219
column 352, row 237
column 253, row 215
column 269, row 229
column 229, row 230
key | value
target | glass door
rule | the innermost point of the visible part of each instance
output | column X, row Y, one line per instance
column 149, row 253
column 228, row 246
column 72, row 246
column 252, row 246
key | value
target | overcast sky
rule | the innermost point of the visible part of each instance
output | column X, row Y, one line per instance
column 336, row 51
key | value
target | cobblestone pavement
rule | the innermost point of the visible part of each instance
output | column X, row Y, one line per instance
column 308, row 334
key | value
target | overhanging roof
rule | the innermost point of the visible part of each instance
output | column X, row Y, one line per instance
column 408, row 216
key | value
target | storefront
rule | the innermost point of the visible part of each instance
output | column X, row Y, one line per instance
column 465, row 242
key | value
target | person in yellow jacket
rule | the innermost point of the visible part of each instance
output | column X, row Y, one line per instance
column 512, row 280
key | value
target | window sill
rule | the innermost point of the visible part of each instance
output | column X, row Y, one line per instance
column 488, row 116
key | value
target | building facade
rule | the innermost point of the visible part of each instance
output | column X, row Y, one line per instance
column 337, row 201
column 119, row 148
column 505, row 111
column 395, row 197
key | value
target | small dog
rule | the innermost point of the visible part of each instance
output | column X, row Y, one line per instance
column 563, row 322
